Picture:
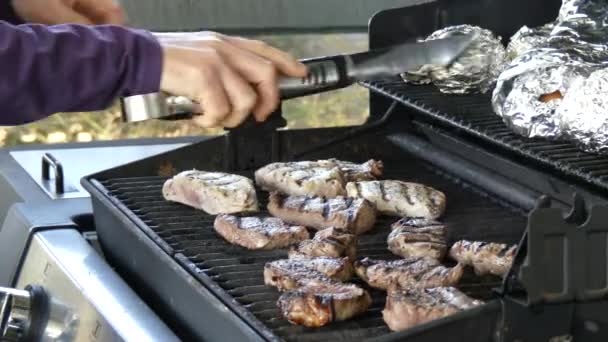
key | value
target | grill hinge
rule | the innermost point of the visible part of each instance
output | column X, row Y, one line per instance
column 561, row 268
column 562, row 257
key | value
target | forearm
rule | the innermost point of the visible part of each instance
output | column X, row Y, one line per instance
column 65, row 68
column 8, row 14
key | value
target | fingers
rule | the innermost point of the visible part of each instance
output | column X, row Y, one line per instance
column 286, row 64
column 101, row 11
column 213, row 100
column 242, row 98
column 229, row 78
column 196, row 75
column 259, row 72
column 225, row 97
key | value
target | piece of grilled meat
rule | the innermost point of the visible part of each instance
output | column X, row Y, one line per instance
column 291, row 273
column 330, row 242
column 259, row 232
column 212, row 192
column 355, row 215
column 397, row 198
column 406, row 308
column 325, row 178
column 353, row 172
column 484, row 257
column 418, row 237
column 410, row 272
column 316, row 305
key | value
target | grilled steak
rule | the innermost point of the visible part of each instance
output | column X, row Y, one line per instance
column 418, row 238
column 397, row 198
column 410, row 272
column 370, row 170
column 485, row 257
column 258, row 233
column 212, row 192
column 288, row 274
column 319, row 304
column 355, row 215
column 406, row 308
column 325, row 178
column 330, row 242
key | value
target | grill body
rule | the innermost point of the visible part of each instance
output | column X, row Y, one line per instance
column 209, row 289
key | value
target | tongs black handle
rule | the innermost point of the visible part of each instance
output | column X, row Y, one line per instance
column 324, row 74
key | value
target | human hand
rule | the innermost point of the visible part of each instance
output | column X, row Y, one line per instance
column 52, row 12
column 229, row 77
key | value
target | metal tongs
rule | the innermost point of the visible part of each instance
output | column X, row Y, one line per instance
column 325, row 74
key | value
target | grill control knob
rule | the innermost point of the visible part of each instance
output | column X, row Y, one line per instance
column 22, row 314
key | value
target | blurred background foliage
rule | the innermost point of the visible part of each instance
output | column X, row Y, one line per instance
column 338, row 108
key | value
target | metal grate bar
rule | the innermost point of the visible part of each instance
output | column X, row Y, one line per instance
column 470, row 214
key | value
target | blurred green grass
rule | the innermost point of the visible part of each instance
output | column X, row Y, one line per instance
column 338, row 108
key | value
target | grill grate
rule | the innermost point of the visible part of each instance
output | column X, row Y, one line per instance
column 474, row 114
column 238, row 272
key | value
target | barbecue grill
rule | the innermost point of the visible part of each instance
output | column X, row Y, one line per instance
column 101, row 256
column 548, row 197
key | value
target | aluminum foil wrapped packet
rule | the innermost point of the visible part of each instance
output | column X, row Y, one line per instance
column 584, row 112
column 530, row 92
column 475, row 71
column 526, row 39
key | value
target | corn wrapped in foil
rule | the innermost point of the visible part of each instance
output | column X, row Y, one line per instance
column 584, row 112
column 475, row 71
column 530, row 91
column 526, row 39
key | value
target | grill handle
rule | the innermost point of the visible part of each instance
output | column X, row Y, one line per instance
column 325, row 74
column 48, row 161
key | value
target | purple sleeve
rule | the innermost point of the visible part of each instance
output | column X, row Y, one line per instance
column 69, row 68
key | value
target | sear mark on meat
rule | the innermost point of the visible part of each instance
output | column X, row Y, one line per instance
column 355, row 215
column 287, row 274
column 330, row 242
column 418, row 238
column 484, row 257
column 397, row 198
column 409, row 272
column 213, row 192
column 325, row 178
column 316, row 305
column 406, row 308
column 258, row 232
